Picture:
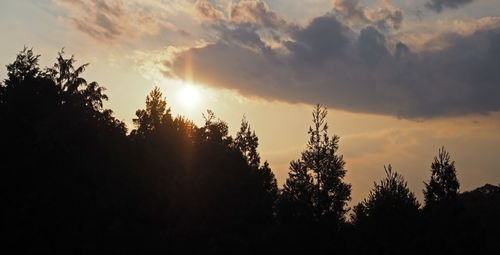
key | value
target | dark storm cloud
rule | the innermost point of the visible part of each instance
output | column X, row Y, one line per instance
column 327, row 62
column 440, row 5
column 244, row 34
column 325, row 38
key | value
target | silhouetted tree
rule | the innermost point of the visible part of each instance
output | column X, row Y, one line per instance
column 154, row 116
column 72, row 181
column 390, row 198
column 312, row 204
column 443, row 184
column 269, row 184
column 391, row 211
column 314, row 187
column 466, row 224
column 247, row 142
column 57, row 172
column 23, row 68
column 479, row 225
column 443, row 210
column 215, row 130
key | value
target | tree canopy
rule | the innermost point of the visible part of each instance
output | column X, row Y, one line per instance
column 74, row 181
column 443, row 184
column 315, row 187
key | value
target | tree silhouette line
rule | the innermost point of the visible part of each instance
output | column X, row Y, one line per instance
column 75, row 181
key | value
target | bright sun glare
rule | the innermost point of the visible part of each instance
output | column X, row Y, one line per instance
column 189, row 95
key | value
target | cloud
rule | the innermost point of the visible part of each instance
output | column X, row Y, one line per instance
column 325, row 38
column 208, row 11
column 256, row 12
column 384, row 16
column 244, row 35
column 328, row 62
column 425, row 38
column 363, row 67
column 252, row 24
column 467, row 27
column 114, row 20
column 439, row 5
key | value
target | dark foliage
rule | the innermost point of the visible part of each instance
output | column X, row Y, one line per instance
column 443, row 184
column 74, row 182
column 314, row 196
column 390, row 211
column 314, row 189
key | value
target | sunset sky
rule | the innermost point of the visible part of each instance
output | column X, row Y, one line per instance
column 401, row 78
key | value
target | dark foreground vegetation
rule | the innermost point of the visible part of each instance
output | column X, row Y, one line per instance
column 74, row 181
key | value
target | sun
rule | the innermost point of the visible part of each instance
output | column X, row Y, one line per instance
column 189, row 95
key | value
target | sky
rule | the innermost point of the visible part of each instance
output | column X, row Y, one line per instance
column 401, row 78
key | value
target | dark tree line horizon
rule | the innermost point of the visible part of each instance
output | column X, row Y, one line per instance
column 74, row 180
